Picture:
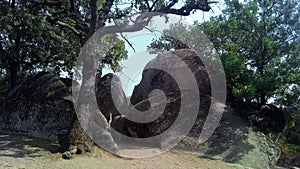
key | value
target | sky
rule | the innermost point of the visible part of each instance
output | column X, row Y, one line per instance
column 131, row 73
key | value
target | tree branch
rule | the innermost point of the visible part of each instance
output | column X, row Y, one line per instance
column 148, row 5
column 140, row 22
column 153, row 5
column 187, row 9
column 93, row 21
column 69, row 27
column 129, row 43
column 104, row 12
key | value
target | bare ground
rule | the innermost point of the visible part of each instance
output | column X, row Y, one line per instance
column 20, row 152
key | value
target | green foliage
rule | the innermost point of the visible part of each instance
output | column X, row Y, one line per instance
column 289, row 149
column 30, row 43
column 170, row 42
column 115, row 54
column 258, row 43
column 255, row 40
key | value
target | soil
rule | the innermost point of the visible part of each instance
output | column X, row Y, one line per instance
column 22, row 152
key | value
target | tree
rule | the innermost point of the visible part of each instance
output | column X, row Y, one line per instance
column 32, row 39
column 256, row 42
column 28, row 43
column 264, row 34
column 68, row 25
column 40, row 35
column 152, row 8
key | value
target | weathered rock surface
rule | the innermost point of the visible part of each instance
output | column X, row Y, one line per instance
column 40, row 106
column 110, row 96
column 233, row 140
column 157, row 79
column 268, row 119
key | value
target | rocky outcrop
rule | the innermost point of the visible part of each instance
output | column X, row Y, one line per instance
column 157, row 79
column 40, row 106
column 112, row 102
column 233, row 140
column 110, row 96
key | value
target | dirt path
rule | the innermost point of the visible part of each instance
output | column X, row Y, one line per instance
column 22, row 152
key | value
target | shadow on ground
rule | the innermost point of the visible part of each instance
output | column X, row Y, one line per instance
column 19, row 146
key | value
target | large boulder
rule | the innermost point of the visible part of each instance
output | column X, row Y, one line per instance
column 233, row 140
column 40, row 106
column 110, row 96
column 157, row 79
column 112, row 101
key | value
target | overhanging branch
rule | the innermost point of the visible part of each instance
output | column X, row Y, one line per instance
column 69, row 27
column 186, row 9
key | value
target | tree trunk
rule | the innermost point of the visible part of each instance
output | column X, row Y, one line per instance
column 13, row 75
column 84, row 130
column 263, row 99
column 89, row 125
column 88, row 113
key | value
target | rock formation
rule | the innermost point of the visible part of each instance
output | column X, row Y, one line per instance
column 158, row 79
column 110, row 96
column 268, row 119
column 234, row 140
column 40, row 106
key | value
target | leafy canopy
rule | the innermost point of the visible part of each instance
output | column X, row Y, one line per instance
column 258, row 43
